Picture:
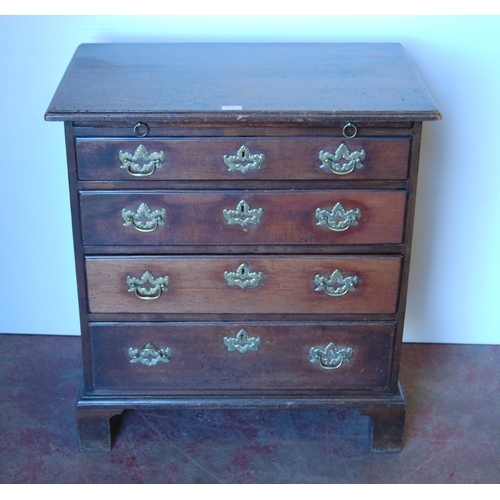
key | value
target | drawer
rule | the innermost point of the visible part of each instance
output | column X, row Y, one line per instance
column 242, row 217
column 243, row 284
column 243, row 158
column 257, row 357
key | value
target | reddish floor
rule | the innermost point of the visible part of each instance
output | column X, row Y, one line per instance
column 452, row 432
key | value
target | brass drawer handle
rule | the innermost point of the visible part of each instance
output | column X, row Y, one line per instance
column 330, row 358
column 243, row 160
column 330, row 162
column 149, row 355
column 141, row 163
column 338, row 219
column 243, row 214
column 242, row 342
column 154, row 218
column 243, row 277
column 158, row 285
column 328, row 284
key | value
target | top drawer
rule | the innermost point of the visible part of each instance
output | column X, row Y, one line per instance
column 243, row 158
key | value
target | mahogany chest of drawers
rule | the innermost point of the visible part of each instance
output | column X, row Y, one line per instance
column 242, row 219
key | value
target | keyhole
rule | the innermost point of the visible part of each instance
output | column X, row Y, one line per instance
column 337, row 217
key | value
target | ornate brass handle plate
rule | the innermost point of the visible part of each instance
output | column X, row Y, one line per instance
column 242, row 342
column 330, row 358
column 141, row 163
column 243, row 277
column 338, row 219
column 332, row 162
column 149, row 355
column 158, row 285
column 153, row 218
column 243, row 160
column 335, row 285
column 243, row 214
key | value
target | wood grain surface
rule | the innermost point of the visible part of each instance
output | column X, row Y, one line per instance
column 197, row 285
column 296, row 81
column 203, row 159
column 200, row 361
column 288, row 218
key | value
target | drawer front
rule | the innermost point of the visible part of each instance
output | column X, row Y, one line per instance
column 245, row 284
column 242, row 217
column 257, row 357
column 242, row 158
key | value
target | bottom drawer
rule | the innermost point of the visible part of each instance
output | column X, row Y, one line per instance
column 175, row 358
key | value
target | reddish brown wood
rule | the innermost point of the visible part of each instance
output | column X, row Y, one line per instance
column 197, row 285
column 375, row 406
column 164, row 130
column 94, row 428
column 386, row 426
column 295, row 99
column 201, row 362
column 406, row 250
column 196, row 218
column 273, row 83
column 285, row 158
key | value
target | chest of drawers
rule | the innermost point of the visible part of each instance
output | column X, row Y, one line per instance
column 242, row 219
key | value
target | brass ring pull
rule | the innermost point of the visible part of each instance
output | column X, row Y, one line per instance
column 158, row 286
column 145, row 294
column 141, row 163
column 140, row 226
column 138, row 126
column 330, row 358
column 153, row 218
column 336, row 285
column 354, row 130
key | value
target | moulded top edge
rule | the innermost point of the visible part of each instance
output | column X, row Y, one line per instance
column 244, row 117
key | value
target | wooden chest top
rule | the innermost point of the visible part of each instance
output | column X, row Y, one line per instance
column 239, row 83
